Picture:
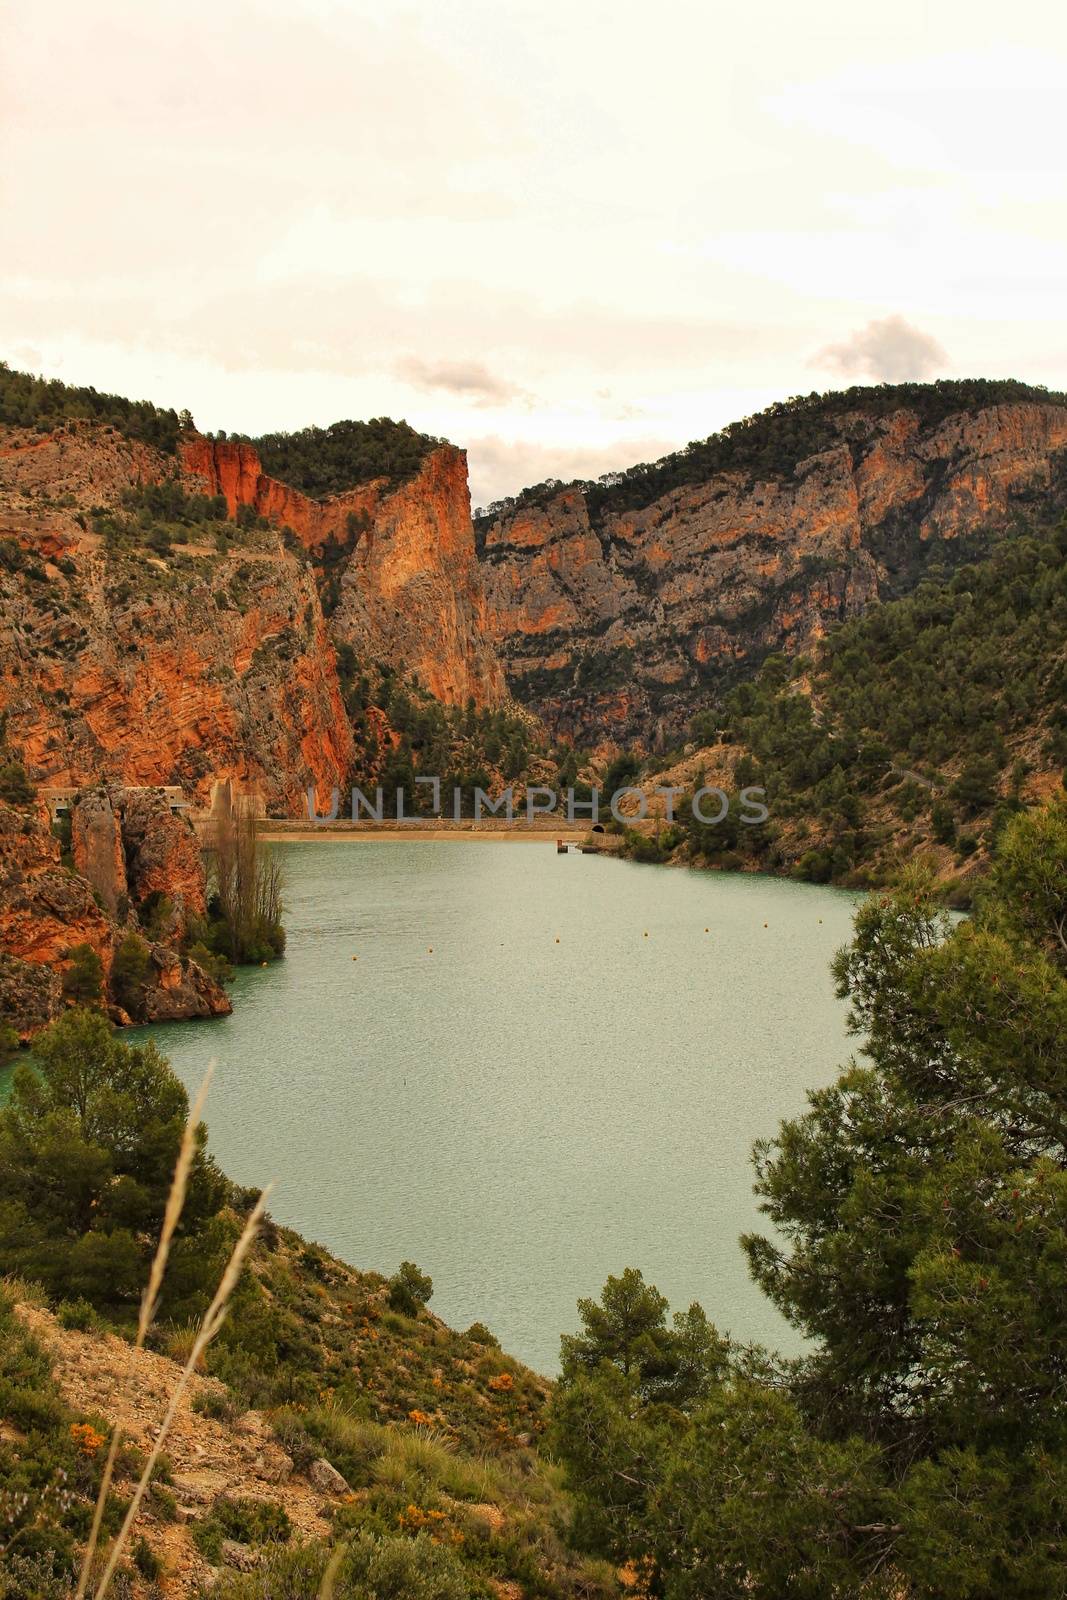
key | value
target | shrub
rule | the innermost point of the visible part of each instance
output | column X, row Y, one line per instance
column 129, row 973
column 219, row 1407
column 409, row 1289
column 146, row 1561
column 253, row 1521
column 77, row 1314
column 15, row 786
column 83, row 981
column 478, row 1333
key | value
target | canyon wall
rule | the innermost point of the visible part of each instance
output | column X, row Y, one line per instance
column 127, row 851
column 222, row 667
column 621, row 625
column 406, row 585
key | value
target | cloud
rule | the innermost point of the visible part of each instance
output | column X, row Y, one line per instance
column 889, row 350
column 469, row 380
column 500, row 467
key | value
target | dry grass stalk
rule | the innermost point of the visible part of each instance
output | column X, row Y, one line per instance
column 329, row 1577
column 214, row 1317
column 149, row 1303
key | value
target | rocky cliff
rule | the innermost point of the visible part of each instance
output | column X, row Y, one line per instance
column 622, row 622
column 399, row 562
column 134, row 872
column 201, row 667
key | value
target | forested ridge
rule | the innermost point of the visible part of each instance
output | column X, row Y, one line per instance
column 326, row 461
column 773, row 442
column 919, row 723
column 45, row 403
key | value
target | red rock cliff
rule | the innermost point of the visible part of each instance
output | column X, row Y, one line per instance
column 623, row 628
column 409, row 584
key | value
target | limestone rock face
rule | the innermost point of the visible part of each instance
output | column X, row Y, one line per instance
column 410, row 588
column 162, row 855
column 621, row 625
column 47, row 909
column 96, row 845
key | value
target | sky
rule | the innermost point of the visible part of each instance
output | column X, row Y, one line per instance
column 567, row 236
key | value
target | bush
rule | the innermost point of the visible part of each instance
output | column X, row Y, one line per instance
column 78, row 1315
column 83, row 981
column 129, row 973
column 146, row 1561
column 373, row 1568
column 253, row 1521
column 15, row 786
column 478, row 1333
column 219, row 1407
column 409, row 1289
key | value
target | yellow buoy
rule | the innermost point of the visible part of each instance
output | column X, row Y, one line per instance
column 557, row 941
column 430, row 951
column 764, row 924
column 706, row 930
column 355, row 958
column 646, row 933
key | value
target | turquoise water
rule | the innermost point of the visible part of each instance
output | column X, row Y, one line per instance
column 520, row 1116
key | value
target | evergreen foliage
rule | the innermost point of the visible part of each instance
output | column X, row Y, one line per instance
column 46, row 403
column 919, row 1447
column 773, row 443
column 326, row 461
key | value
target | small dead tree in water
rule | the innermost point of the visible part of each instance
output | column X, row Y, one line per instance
column 245, row 882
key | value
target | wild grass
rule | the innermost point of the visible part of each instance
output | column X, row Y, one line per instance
column 204, row 1333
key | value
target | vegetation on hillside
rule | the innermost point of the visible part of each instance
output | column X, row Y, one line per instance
column 326, row 461
column 772, row 443
column 918, row 723
column 46, row 403
column 434, row 1432
column 918, row 1447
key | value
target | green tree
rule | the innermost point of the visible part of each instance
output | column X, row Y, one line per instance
column 130, row 972
column 83, row 981
column 15, row 786
column 920, row 1212
column 88, row 1142
column 409, row 1289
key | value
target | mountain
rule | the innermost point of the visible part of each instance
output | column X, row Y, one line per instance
column 623, row 607
column 184, row 618
column 916, row 729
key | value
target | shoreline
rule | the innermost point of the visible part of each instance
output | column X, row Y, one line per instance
column 301, row 833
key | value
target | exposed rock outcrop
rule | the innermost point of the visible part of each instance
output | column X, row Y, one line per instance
column 48, row 909
column 408, row 587
column 621, row 624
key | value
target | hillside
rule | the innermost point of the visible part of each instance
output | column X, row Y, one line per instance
column 194, row 621
column 622, row 608
column 332, row 1405
column 919, row 727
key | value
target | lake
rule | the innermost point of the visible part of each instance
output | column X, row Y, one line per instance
column 540, row 1069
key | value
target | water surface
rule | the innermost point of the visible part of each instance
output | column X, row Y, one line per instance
column 518, row 1115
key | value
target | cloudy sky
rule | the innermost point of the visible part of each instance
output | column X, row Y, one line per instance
column 567, row 234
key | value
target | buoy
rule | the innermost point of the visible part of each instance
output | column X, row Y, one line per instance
column 764, row 924
column 646, row 933
column 263, row 963
column 557, row 941
column 430, row 952
column 355, row 958
column 706, row 930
